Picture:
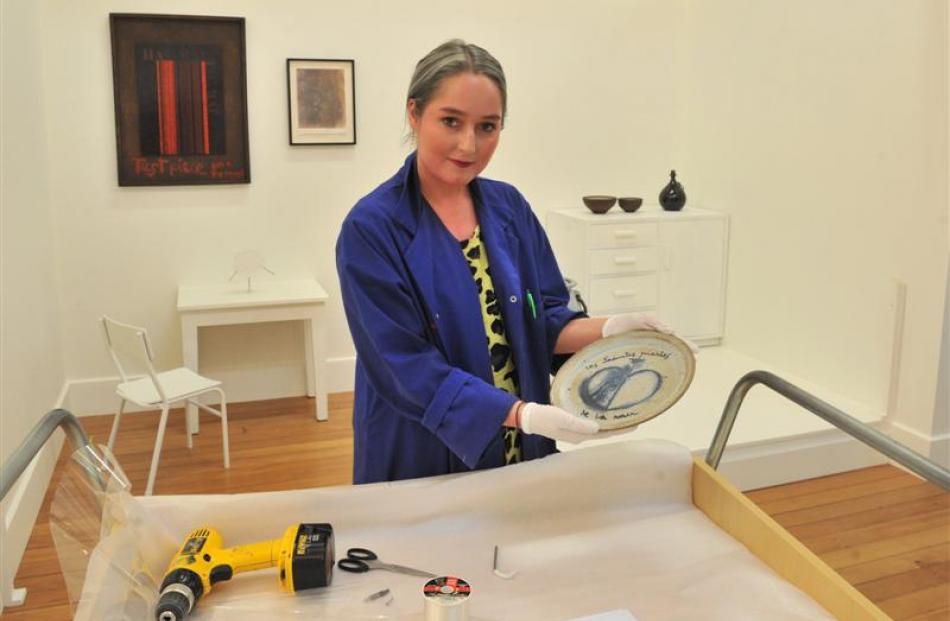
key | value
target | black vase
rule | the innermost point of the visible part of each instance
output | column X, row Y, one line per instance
column 673, row 196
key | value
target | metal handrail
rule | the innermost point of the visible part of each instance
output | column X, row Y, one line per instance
column 14, row 466
column 933, row 472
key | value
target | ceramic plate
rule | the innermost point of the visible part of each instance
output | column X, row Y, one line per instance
column 624, row 380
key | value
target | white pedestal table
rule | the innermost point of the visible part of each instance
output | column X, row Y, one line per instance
column 232, row 303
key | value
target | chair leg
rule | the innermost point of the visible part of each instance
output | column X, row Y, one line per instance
column 115, row 426
column 224, row 429
column 188, row 434
column 156, row 453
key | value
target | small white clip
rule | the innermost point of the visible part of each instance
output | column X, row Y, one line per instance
column 501, row 574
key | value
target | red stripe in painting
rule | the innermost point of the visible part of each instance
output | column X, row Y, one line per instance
column 169, row 108
column 158, row 96
column 204, row 107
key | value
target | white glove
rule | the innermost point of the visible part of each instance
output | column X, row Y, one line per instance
column 555, row 423
column 618, row 324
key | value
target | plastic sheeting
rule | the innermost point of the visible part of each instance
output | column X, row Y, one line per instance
column 606, row 528
column 103, row 537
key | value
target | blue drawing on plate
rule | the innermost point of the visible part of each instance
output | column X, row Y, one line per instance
column 600, row 389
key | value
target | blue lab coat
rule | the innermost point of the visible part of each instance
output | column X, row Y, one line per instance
column 425, row 403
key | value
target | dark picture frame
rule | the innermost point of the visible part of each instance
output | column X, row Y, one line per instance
column 180, row 89
column 321, row 101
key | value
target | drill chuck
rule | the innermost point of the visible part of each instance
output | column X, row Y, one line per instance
column 180, row 590
column 174, row 604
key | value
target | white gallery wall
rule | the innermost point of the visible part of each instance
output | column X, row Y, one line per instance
column 31, row 345
column 941, row 425
column 585, row 116
column 827, row 148
column 821, row 128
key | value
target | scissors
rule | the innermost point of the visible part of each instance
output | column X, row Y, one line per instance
column 361, row 560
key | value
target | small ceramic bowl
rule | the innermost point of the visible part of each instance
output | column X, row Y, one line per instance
column 600, row 203
column 630, row 203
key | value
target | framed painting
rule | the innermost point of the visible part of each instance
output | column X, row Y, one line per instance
column 180, row 99
column 320, row 101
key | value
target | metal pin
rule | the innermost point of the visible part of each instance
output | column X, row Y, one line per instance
column 376, row 595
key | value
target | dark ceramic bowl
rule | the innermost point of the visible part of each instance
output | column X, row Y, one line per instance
column 600, row 203
column 630, row 203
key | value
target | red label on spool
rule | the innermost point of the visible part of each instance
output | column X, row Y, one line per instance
column 447, row 587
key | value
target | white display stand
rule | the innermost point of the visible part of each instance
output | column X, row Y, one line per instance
column 232, row 303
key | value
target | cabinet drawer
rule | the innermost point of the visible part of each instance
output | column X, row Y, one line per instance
column 622, row 260
column 623, row 292
column 619, row 235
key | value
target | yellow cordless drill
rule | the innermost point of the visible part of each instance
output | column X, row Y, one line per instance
column 303, row 556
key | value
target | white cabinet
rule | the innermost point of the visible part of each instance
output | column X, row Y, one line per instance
column 670, row 263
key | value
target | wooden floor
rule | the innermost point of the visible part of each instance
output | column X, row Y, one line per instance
column 884, row 530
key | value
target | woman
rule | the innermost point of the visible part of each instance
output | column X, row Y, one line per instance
column 453, row 296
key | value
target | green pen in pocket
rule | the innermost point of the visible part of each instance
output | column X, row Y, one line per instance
column 534, row 309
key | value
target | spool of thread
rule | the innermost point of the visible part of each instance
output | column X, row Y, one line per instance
column 446, row 599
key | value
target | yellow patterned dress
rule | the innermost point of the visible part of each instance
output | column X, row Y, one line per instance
column 502, row 362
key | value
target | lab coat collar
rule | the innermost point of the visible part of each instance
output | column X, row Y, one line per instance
column 409, row 206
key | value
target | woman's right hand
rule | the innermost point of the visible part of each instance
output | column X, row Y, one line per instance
column 555, row 423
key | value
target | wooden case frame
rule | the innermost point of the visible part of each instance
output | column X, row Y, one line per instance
column 776, row 547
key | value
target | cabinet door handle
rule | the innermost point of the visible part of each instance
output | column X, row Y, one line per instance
column 624, row 293
column 624, row 260
column 625, row 234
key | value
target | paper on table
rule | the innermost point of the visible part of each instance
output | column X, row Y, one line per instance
column 600, row 529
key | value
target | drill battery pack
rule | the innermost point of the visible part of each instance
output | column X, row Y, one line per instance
column 312, row 559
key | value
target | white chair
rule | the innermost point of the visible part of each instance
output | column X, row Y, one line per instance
column 129, row 345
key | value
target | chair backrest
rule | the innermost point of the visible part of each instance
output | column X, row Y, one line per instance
column 131, row 351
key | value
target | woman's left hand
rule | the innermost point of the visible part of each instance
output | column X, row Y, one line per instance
column 618, row 324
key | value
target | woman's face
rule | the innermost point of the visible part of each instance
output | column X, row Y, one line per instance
column 458, row 130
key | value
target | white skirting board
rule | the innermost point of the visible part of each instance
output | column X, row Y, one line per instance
column 779, row 460
column 96, row 395
column 937, row 447
column 20, row 509
column 26, row 498
column 774, row 441
column 786, row 460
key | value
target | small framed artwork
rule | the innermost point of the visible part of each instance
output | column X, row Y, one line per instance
column 320, row 101
column 180, row 91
